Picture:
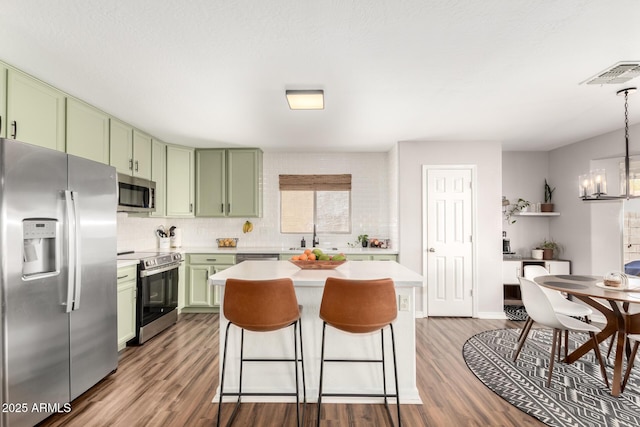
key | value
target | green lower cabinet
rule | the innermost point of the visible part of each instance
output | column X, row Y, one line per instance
column 127, row 295
column 390, row 257
column 200, row 297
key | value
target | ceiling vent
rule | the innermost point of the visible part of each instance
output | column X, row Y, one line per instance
column 618, row 73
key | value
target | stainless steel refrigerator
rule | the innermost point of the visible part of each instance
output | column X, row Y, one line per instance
column 58, row 279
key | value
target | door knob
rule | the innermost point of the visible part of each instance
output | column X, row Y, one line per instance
column 432, row 250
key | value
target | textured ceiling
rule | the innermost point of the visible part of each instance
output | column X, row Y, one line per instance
column 213, row 73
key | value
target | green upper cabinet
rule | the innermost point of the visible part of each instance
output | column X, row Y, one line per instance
column 229, row 182
column 87, row 131
column 141, row 154
column 121, row 146
column 159, row 176
column 3, row 103
column 211, row 183
column 180, row 181
column 130, row 150
column 35, row 112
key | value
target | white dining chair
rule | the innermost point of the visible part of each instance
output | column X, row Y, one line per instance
column 561, row 305
column 635, row 338
column 540, row 309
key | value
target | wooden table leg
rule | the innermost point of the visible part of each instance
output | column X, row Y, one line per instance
column 609, row 329
column 622, row 338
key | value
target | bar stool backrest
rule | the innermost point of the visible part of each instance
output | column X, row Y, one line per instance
column 358, row 306
column 260, row 305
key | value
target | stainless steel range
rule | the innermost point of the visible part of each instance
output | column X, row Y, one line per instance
column 157, row 296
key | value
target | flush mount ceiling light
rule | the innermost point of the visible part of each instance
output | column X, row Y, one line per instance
column 305, row 99
column 593, row 186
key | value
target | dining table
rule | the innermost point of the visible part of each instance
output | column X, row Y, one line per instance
column 613, row 303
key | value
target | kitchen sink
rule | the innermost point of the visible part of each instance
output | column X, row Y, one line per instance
column 317, row 247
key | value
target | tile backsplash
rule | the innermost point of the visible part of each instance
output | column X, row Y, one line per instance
column 373, row 206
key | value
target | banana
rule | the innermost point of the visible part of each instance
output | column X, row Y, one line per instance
column 247, row 227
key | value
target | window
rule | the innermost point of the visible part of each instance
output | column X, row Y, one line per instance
column 323, row 200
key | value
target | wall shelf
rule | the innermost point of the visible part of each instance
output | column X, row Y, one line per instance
column 537, row 214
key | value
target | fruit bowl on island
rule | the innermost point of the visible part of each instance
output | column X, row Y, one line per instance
column 318, row 260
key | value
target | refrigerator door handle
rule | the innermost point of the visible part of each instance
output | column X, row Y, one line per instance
column 71, row 268
column 74, row 287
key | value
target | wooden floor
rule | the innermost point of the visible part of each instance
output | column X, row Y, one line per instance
column 171, row 380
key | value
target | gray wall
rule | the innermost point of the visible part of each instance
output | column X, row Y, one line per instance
column 523, row 175
column 487, row 157
column 590, row 231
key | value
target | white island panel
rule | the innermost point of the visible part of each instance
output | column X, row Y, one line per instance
column 339, row 377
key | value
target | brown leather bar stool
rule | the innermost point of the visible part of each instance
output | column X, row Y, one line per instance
column 360, row 307
column 262, row 306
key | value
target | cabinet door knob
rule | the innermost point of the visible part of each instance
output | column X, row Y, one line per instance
column 131, row 164
column 432, row 249
column 136, row 166
column 14, row 125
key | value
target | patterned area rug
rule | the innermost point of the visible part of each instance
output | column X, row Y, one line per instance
column 577, row 395
column 515, row 312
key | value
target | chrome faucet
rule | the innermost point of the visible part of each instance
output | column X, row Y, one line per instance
column 316, row 241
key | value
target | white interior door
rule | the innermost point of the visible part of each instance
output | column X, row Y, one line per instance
column 448, row 250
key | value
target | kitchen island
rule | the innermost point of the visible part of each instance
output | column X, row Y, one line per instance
column 309, row 284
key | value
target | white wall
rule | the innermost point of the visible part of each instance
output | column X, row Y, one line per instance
column 523, row 175
column 487, row 156
column 370, row 202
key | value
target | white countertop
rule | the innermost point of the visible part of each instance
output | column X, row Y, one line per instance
column 260, row 270
column 127, row 262
column 283, row 250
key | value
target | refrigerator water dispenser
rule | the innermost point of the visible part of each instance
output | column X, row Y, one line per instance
column 39, row 246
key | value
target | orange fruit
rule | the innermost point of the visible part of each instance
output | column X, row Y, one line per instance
column 307, row 251
column 312, row 257
column 303, row 257
column 295, row 258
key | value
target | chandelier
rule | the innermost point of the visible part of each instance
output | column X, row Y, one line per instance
column 593, row 186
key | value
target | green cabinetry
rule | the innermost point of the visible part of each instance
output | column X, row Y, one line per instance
column 3, row 103
column 199, row 295
column 87, row 131
column 180, row 181
column 130, row 150
column 229, row 183
column 35, row 112
column 159, row 176
column 126, row 305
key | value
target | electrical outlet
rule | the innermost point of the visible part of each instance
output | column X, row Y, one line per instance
column 403, row 302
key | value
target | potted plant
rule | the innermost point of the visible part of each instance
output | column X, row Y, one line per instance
column 519, row 206
column 547, row 206
column 364, row 239
column 550, row 249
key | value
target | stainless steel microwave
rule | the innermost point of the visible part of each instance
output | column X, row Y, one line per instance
column 136, row 194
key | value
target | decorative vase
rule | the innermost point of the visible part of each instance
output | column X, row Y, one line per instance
column 546, row 207
column 537, row 253
column 547, row 254
column 365, row 243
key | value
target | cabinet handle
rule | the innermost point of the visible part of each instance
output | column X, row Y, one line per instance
column 136, row 166
column 222, row 207
column 212, row 259
column 190, row 207
column 130, row 164
column 14, row 125
column 0, row 124
column 122, row 277
column 228, row 208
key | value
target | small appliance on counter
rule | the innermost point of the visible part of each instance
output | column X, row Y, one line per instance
column 506, row 244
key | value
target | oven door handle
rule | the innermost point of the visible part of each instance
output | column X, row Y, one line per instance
column 151, row 272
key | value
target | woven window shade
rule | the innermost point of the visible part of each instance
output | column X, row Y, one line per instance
column 315, row 182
